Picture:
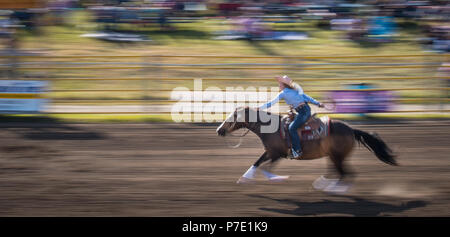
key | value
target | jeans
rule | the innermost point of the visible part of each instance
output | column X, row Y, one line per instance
column 304, row 113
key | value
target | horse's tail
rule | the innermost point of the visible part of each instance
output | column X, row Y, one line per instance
column 375, row 145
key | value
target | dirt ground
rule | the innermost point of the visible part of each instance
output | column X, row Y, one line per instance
column 187, row 170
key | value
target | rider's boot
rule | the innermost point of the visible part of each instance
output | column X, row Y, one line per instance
column 296, row 154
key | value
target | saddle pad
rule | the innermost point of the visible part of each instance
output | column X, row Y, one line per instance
column 314, row 128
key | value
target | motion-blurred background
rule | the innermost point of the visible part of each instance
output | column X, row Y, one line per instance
column 127, row 56
column 385, row 65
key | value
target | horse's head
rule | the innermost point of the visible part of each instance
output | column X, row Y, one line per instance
column 237, row 119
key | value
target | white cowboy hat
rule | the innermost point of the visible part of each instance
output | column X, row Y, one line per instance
column 285, row 79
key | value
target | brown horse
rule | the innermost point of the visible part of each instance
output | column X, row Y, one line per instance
column 337, row 146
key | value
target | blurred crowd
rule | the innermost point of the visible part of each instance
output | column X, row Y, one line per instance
column 370, row 20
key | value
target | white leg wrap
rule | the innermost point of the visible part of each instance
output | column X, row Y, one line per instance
column 273, row 177
column 250, row 174
column 268, row 174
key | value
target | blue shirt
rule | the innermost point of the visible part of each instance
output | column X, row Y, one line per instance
column 292, row 97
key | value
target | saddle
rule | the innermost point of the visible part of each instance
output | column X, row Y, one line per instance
column 315, row 128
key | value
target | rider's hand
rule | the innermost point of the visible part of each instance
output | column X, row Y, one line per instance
column 321, row 105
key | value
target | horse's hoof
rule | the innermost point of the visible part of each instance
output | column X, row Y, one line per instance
column 337, row 188
column 321, row 183
column 279, row 178
column 244, row 180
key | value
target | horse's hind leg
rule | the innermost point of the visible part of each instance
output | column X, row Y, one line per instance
column 338, row 186
column 338, row 162
column 329, row 178
column 339, row 165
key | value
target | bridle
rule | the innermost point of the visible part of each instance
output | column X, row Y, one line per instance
column 240, row 136
column 243, row 134
column 240, row 139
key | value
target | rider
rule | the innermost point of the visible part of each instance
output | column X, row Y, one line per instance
column 293, row 94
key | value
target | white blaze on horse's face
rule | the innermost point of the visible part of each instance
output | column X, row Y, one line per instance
column 229, row 124
column 224, row 127
column 230, row 118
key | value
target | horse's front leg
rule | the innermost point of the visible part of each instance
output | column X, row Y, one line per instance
column 249, row 176
column 274, row 158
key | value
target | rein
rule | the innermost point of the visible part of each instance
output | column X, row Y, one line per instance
column 242, row 135
column 240, row 138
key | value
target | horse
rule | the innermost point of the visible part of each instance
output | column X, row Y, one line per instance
column 337, row 145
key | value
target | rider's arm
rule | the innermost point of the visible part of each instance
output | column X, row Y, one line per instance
column 309, row 99
column 298, row 88
column 270, row 103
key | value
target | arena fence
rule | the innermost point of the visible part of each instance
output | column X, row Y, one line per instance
column 20, row 67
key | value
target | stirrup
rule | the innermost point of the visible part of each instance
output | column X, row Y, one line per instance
column 295, row 155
